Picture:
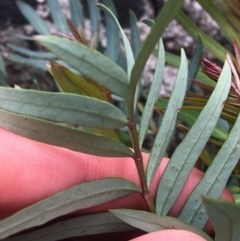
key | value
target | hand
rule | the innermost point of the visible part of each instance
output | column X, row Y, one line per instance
column 31, row 171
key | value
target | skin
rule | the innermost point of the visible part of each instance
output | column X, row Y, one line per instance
column 32, row 171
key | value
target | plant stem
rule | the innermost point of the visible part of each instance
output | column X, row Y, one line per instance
column 140, row 167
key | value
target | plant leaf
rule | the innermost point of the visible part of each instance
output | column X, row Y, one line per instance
column 113, row 43
column 168, row 12
column 59, row 135
column 167, row 127
column 195, row 62
column 153, row 94
column 33, row 18
column 76, row 13
column 214, row 179
column 90, row 63
column 186, row 154
column 94, row 16
column 225, row 217
column 150, row 222
column 211, row 45
column 75, row 227
column 65, row 108
column 217, row 15
column 128, row 49
column 135, row 35
column 74, row 83
column 81, row 196
column 58, row 17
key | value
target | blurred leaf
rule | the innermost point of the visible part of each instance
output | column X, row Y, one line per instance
column 30, row 53
column 3, row 77
column 211, row 45
column 168, row 123
column 150, row 222
column 153, row 94
column 188, row 151
column 225, row 217
column 91, row 64
column 168, row 12
column 148, row 22
column 113, row 43
column 58, row 17
column 213, row 10
column 76, row 13
column 73, row 83
column 81, row 196
column 33, row 18
column 35, row 63
column 63, row 136
column 75, row 227
column 66, row 108
column 135, row 35
column 128, row 49
column 195, row 62
column 214, row 179
column 94, row 17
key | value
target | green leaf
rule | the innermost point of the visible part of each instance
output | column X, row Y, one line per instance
column 94, row 16
column 135, row 35
column 76, row 13
column 128, row 49
column 195, row 62
column 187, row 153
column 167, row 127
column 3, row 78
column 153, row 94
column 150, row 222
column 58, row 17
column 30, row 53
column 113, row 43
column 90, row 63
column 75, row 227
column 190, row 118
column 217, row 15
column 225, row 217
column 211, row 45
column 168, row 12
column 62, row 107
column 81, row 196
column 215, row 178
column 149, row 22
column 59, row 135
column 33, row 18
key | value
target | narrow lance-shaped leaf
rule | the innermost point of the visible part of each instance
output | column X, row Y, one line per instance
column 167, row 127
column 215, row 178
column 81, row 196
column 113, row 43
column 91, row 64
column 59, row 135
column 225, row 217
column 153, row 94
column 211, row 45
column 94, row 16
column 97, row 223
column 33, row 18
column 76, row 13
column 188, row 151
column 195, row 62
column 168, row 12
column 150, row 222
column 59, row 107
column 58, row 17
column 128, row 49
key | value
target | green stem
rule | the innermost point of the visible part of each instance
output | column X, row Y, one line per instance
column 139, row 164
